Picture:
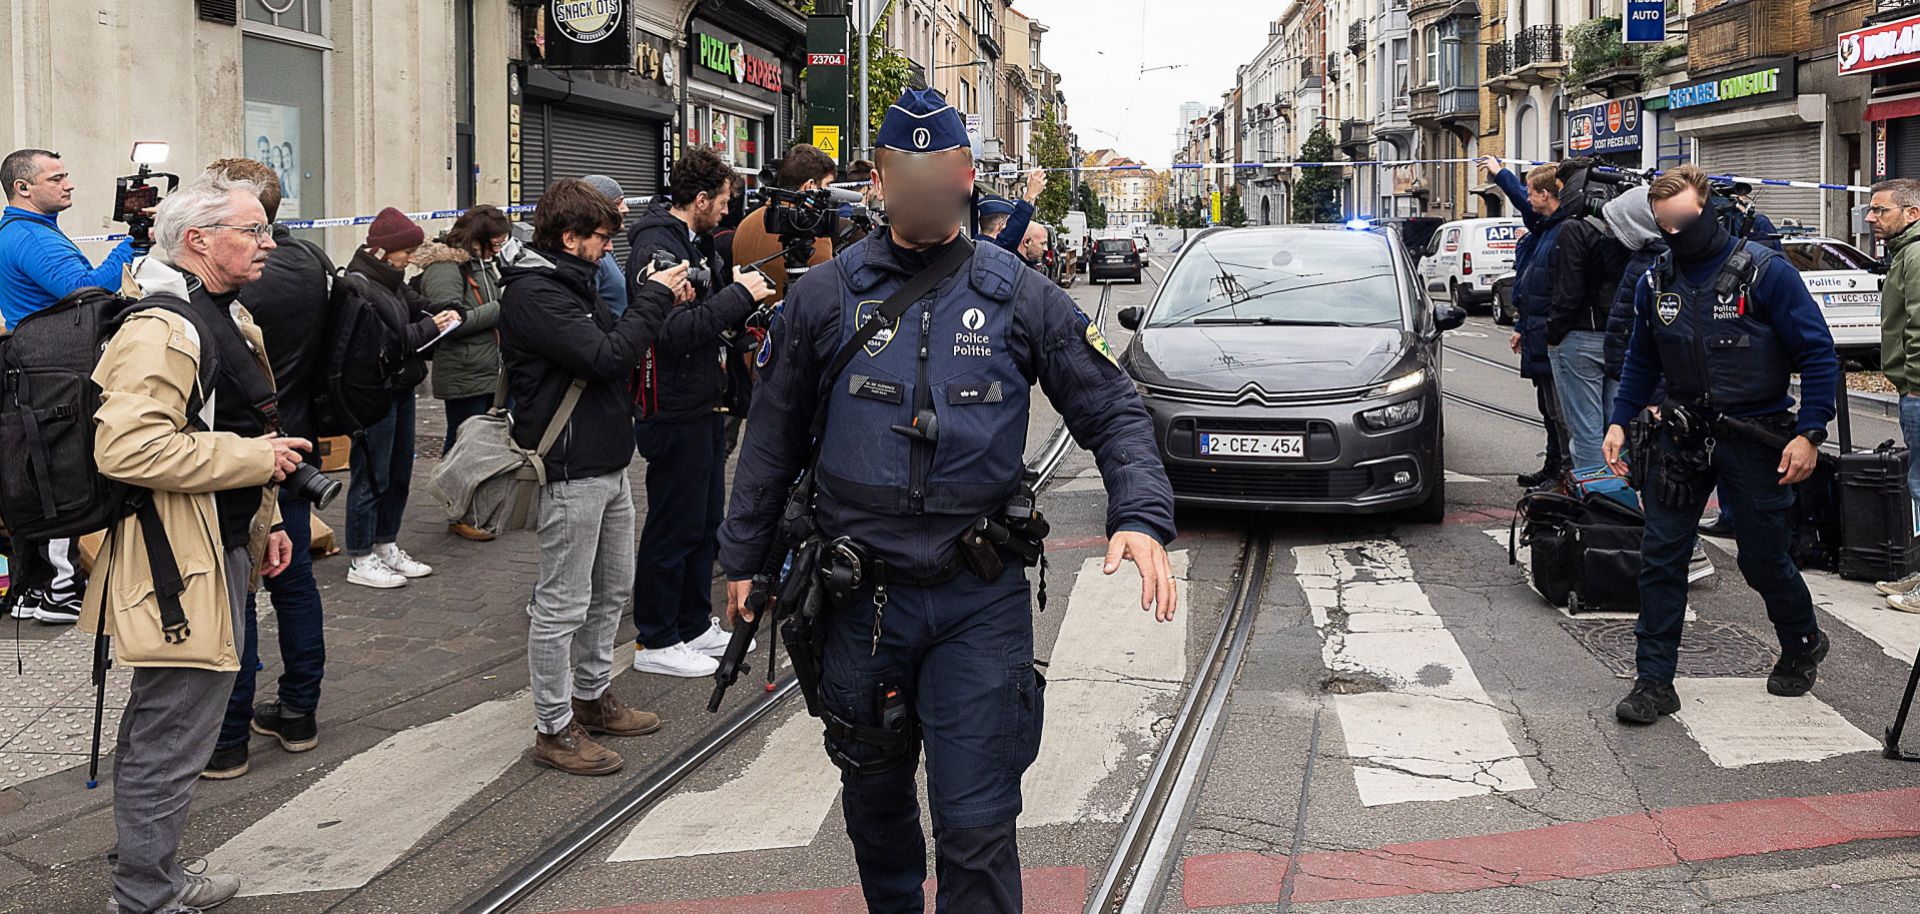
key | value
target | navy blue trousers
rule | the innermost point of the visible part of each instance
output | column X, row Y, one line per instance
column 686, row 501
column 303, row 643
column 963, row 652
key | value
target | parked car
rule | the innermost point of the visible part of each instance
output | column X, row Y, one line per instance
column 1114, row 258
column 1463, row 258
column 1503, row 310
column 1842, row 280
column 1295, row 367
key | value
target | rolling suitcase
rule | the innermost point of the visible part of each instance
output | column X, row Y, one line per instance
column 1877, row 540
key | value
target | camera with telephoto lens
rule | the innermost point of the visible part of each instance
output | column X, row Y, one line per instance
column 701, row 277
column 306, row 480
column 135, row 195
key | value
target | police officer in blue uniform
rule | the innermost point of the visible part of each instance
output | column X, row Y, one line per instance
column 924, row 436
column 1726, row 322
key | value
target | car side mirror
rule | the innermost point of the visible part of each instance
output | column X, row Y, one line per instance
column 1448, row 316
column 1130, row 318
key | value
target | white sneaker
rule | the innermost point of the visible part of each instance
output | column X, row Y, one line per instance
column 1908, row 584
column 402, row 563
column 27, row 602
column 1699, row 566
column 1905, row 602
column 713, row 642
column 370, row 571
column 678, row 660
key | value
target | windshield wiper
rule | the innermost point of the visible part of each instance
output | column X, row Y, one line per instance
column 1265, row 321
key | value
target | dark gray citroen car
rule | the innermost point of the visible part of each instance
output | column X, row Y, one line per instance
column 1295, row 367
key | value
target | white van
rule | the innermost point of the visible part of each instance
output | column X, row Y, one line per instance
column 1464, row 257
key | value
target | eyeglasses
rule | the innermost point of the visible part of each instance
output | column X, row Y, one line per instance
column 1879, row 210
column 261, row 231
column 604, row 236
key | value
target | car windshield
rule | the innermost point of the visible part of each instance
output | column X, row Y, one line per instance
column 1813, row 256
column 1115, row 246
column 1328, row 278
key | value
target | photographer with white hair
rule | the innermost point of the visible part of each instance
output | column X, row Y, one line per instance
column 185, row 414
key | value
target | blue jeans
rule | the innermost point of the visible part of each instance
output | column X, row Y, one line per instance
column 1580, row 377
column 382, row 478
column 686, row 501
column 303, row 644
column 460, row 409
column 1910, row 430
column 1753, row 489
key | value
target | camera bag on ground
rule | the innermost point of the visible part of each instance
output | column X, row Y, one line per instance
column 1875, row 511
column 1584, row 552
column 487, row 480
column 364, row 363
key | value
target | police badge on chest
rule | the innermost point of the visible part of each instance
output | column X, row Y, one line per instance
column 1667, row 306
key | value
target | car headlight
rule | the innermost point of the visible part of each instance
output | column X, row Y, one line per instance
column 1393, row 416
column 1412, row 380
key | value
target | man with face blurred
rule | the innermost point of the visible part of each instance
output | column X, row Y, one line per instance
column 923, row 436
column 1727, row 323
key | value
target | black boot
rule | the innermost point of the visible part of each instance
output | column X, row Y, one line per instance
column 1546, row 474
column 1793, row 676
column 1647, row 702
column 226, row 764
column 296, row 732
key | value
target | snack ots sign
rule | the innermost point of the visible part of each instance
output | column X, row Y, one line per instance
column 732, row 59
column 1877, row 47
column 584, row 34
column 1609, row 127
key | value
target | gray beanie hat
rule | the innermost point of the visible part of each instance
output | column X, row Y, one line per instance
column 606, row 186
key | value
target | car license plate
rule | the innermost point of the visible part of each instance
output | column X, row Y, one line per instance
column 1291, row 447
column 1853, row 298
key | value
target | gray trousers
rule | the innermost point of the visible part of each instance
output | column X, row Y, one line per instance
column 166, row 736
column 586, row 579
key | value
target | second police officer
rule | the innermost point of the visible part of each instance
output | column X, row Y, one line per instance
column 923, row 436
column 1726, row 322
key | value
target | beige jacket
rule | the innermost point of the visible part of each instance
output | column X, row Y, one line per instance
column 142, row 438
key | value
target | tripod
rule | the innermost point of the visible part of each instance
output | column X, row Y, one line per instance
column 1892, row 749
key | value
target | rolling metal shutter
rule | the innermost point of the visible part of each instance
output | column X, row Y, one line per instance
column 1790, row 154
column 1903, row 148
column 564, row 142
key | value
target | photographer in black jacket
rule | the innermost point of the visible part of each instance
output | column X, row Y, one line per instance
column 683, row 379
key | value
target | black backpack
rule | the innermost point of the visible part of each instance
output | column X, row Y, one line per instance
column 365, row 365
column 1584, row 553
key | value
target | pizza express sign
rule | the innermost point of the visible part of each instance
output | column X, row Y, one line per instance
column 584, row 34
column 1771, row 81
column 731, row 59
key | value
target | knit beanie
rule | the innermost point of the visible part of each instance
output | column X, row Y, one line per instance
column 393, row 231
column 607, row 187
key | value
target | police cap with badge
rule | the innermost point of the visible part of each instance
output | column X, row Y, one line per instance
column 922, row 121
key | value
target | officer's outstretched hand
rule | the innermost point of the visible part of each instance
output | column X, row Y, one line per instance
column 1156, row 572
column 1610, row 449
column 1797, row 461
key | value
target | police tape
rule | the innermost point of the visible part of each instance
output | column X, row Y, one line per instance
column 349, row 221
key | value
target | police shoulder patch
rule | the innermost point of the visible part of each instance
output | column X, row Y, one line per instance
column 1667, row 307
column 1099, row 343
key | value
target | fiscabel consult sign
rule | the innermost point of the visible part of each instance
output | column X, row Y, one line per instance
column 1770, row 81
column 1877, row 47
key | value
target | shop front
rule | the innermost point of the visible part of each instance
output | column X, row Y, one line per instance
column 741, row 96
column 1887, row 52
column 1610, row 131
column 1751, row 120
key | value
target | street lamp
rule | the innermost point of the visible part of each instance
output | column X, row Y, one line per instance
column 970, row 63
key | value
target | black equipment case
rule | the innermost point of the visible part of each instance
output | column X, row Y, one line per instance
column 1876, row 511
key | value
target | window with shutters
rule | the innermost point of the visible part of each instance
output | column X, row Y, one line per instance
column 225, row 12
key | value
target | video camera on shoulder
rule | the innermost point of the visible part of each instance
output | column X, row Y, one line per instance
column 135, row 195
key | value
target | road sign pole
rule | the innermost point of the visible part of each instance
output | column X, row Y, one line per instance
column 827, row 79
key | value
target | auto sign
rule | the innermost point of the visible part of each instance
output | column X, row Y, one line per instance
column 1608, row 127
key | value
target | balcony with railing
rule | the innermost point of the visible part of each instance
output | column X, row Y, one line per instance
column 1536, row 56
column 1357, row 36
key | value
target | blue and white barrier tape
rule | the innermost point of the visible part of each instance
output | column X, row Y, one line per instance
column 346, row 221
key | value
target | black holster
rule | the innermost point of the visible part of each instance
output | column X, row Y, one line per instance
column 1686, row 460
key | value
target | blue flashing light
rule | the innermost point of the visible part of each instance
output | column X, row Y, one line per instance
column 1359, row 224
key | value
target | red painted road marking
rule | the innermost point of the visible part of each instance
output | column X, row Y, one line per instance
column 1581, row 849
column 1080, row 542
column 1062, row 890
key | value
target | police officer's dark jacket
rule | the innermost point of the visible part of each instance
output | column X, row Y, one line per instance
column 993, row 329
column 1734, row 356
column 553, row 329
column 1533, row 294
column 690, row 376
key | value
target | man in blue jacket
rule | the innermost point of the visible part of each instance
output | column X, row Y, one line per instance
column 40, row 265
column 1537, row 201
column 1003, row 221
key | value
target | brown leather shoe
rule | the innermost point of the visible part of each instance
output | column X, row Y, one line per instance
column 469, row 531
column 574, row 752
column 608, row 716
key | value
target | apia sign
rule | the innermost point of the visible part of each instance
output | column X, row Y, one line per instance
column 731, row 59
column 1609, row 127
column 1877, row 47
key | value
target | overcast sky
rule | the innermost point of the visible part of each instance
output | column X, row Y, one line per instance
column 1100, row 46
